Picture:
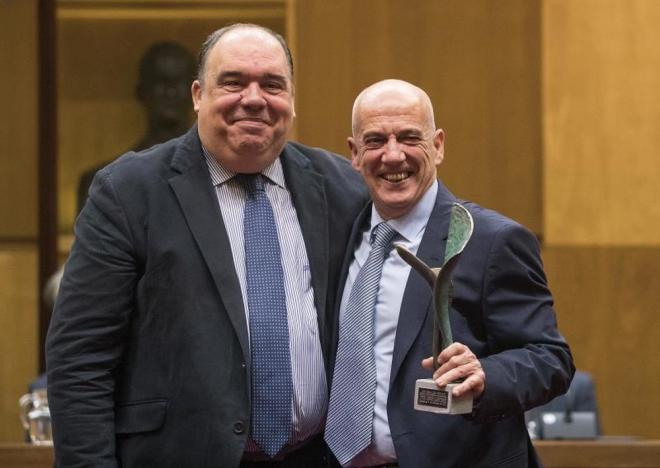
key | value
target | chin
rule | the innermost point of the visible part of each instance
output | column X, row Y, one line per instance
column 393, row 208
column 396, row 198
column 251, row 147
column 247, row 164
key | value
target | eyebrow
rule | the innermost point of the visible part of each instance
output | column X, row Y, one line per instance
column 237, row 74
column 372, row 133
column 275, row 76
column 411, row 132
column 402, row 133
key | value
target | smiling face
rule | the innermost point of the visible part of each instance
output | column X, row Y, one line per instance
column 244, row 103
column 395, row 145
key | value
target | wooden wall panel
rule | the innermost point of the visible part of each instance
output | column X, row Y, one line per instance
column 18, row 208
column 18, row 122
column 18, row 332
column 607, row 304
column 601, row 69
column 479, row 62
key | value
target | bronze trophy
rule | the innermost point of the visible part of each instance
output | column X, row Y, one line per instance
column 428, row 396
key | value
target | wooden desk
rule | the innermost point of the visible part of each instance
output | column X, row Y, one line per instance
column 25, row 456
column 608, row 452
column 604, row 453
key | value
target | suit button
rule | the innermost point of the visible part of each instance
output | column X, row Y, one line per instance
column 243, row 365
column 239, row 427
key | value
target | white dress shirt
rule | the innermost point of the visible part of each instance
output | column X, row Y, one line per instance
column 310, row 395
column 410, row 229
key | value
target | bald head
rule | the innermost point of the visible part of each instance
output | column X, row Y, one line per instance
column 391, row 93
column 395, row 145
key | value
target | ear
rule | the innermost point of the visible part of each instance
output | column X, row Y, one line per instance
column 439, row 146
column 196, row 91
column 355, row 160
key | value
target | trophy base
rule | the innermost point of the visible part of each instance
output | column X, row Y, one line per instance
column 430, row 397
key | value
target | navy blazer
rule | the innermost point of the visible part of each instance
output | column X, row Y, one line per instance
column 503, row 311
column 147, row 352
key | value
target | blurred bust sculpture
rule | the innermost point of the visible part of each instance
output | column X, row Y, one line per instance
column 166, row 71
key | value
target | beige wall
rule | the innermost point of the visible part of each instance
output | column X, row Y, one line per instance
column 18, row 208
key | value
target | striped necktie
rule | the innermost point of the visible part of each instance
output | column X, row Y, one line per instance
column 350, row 412
column 272, row 387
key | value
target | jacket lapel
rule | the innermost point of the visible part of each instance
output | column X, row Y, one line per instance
column 353, row 243
column 308, row 195
column 196, row 195
column 417, row 297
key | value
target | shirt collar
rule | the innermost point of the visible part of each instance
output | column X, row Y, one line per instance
column 220, row 174
column 411, row 225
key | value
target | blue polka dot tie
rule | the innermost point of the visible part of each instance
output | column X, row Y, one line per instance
column 351, row 408
column 272, row 387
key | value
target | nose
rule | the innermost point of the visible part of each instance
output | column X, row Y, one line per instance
column 393, row 152
column 252, row 96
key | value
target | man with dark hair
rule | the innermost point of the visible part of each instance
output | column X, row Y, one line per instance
column 193, row 323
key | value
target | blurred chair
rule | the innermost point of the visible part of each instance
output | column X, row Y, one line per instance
column 573, row 415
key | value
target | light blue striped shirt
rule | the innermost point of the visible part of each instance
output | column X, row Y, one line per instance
column 393, row 280
column 310, row 397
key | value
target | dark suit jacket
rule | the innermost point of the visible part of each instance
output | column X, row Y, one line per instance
column 502, row 310
column 148, row 360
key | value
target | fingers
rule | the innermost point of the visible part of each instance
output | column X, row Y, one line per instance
column 475, row 384
column 456, row 368
column 445, row 355
column 428, row 363
column 458, row 363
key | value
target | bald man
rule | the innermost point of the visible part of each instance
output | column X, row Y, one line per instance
column 507, row 347
column 193, row 323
